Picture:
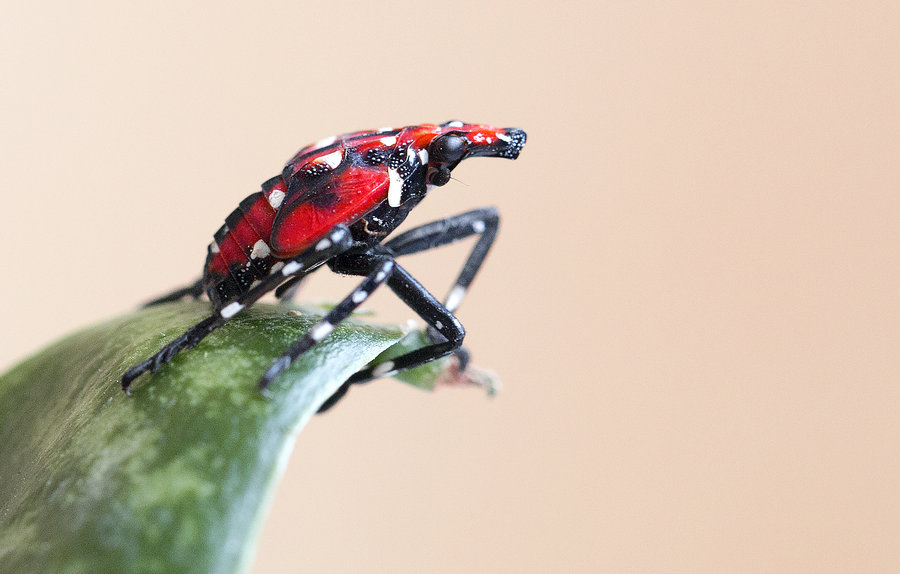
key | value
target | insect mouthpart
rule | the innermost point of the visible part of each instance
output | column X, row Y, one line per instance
column 507, row 143
column 513, row 140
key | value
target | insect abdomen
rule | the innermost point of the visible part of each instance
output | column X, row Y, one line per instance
column 240, row 253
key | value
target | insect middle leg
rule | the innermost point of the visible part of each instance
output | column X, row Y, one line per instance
column 340, row 240
column 426, row 305
column 377, row 268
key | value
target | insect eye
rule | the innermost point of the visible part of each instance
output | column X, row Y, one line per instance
column 448, row 148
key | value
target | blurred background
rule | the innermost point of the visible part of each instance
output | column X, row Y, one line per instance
column 693, row 302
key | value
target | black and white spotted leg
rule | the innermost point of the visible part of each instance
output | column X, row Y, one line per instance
column 428, row 308
column 484, row 222
column 288, row 289
column 194, row 290
column 339, row 240
column 379, row 270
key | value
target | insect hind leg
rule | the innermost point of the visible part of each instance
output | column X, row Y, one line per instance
column 194, row 291
column 340, row 240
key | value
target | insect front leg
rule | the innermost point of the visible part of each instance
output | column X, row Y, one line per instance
column 428, row 308
column 483, row 222
column 377, row 268
column 339, row 240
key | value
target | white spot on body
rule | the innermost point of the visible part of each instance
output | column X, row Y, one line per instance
column 438, row 325
column 410, row 155
column 260, row 250
column 389, row 140
column 320, row 331
column 291, row 268
column 359, row 296
column 455, row 298
column 325, row 141
column 383, row 369
column 380, row 276
column 385, row 129
column 324, row 244
column 333, row 159
column 230, row 310
column 455, row 124
column 478, row 226
column 396, row 187
column 276, row 267
column 423, row 156
column 213, row 247
column 275, row 198
column 504, row 137
column 255, row 283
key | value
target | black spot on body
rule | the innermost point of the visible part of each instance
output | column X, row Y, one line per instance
column 377, row 156
column 234, row 218
column 271, row 183
column 398, row 157
column 220, row 234
column 244, row 274
column 322, row 197
column 221, row 290
column 315, row 169
column 248, row 201
column 413, row 187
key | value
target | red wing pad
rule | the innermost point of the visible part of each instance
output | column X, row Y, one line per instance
column 321, row 204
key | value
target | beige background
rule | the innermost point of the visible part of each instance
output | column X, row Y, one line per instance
column 693, row 303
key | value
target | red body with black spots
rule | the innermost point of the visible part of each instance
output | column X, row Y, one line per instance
column 338, row 180
column 335, row 203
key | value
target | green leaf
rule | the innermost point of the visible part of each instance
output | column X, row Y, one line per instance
column 175, row 478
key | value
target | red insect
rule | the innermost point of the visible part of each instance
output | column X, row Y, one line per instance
column 334, row 203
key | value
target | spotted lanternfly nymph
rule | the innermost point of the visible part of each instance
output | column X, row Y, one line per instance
column 334, row 203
